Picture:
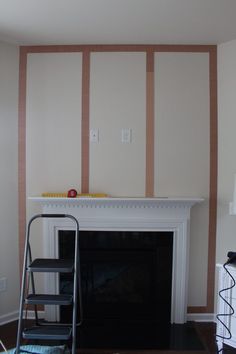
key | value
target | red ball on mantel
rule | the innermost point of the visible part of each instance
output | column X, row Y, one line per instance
column 72, row 193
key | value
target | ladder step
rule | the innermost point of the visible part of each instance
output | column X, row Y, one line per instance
column 51, row 265
column 47, row 332
column 47, row 299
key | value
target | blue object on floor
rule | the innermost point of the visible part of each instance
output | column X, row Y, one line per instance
column 39, row 349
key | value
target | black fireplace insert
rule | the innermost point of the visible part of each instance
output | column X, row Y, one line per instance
column 126, row 275
column 126, row 280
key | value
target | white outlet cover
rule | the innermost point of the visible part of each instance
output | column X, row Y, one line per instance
column 94, row 136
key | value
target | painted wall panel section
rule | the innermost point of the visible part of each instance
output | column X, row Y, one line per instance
column 182, row 148
column 117, row 100
column 226, row 223
column 53, row 122
column 9, row 260
column 53, row 128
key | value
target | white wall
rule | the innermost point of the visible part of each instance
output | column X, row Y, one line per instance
column 53, row 131
column 53, row 126
column 9, row 261
column 226, row 224
column 118, row 100
column 182, row 153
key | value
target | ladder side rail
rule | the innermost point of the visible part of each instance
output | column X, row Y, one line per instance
column 74, row 313
column 33, row 286
column 76, row 286
column 78, row 278
column 77, row 267
column 23, row 283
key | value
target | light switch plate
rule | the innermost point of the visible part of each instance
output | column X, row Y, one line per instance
column 3, row 284
column 126, row 135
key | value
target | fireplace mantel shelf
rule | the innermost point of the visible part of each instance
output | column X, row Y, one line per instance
column 164, row 202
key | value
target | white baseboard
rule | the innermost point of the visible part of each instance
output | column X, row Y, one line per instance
column 9, row 317
column 30, row 315
column 201, row 317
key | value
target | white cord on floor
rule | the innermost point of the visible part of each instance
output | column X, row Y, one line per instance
column 3, row 346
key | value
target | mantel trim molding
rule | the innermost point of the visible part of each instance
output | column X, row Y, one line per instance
column 159, row 203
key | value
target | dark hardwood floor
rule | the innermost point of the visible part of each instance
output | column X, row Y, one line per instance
column 206, row 333
column 8, row 335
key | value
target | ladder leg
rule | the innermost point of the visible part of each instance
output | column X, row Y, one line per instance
column 74, row 314
column 33, row 288
column 22, row 294
column 77, row 291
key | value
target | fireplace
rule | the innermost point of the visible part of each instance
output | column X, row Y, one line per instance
column 126, row 276
column 151, row 215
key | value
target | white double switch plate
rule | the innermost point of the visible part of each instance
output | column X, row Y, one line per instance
column 126, row 135
column 3, row 284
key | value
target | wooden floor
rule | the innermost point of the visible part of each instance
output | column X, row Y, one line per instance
column 206, row 333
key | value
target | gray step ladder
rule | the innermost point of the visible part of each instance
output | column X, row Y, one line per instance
column 49, row 330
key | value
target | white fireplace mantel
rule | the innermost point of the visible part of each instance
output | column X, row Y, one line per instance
column 141, row 214
column 164, row 202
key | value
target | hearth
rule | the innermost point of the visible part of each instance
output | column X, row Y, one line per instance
column 126, row 276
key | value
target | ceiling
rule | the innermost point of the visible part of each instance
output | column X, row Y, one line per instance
column 42, row 22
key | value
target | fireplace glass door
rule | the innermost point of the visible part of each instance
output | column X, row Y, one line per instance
column 126, row 276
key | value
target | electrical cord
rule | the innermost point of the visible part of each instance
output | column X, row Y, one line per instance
column 227, row 303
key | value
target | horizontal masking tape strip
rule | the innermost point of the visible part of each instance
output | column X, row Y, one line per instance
column 54, row 195
column 82, row 195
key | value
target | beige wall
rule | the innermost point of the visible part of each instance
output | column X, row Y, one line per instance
column 182, row 132
column 9, row 261
column 118, row 100
column 53, row 129
column 226, row 224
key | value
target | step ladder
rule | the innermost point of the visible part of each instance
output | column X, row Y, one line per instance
column 48, row 330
